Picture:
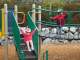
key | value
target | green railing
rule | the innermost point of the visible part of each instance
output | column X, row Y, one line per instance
column 54, row 24
column 73, row 17
column 45, row 55
column 17, row 39
column 36, row 36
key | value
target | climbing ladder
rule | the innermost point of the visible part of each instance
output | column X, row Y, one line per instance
column 21, row 47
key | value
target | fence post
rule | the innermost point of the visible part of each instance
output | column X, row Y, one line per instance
column 39, row 26
column 6, row 32
column 39, row 17
column 33, row 13
column 43, row 56
column 16, row 13
column 46, row 54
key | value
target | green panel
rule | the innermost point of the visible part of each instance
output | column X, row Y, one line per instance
column 0, row 20
column 46, row 54
column 36, row 36
column 69, row 18
column 17, row 39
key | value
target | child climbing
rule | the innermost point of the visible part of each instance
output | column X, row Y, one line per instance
column 60, row 18
column 28, row 38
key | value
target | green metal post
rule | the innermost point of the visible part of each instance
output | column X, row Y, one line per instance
column 46, row 54
column 43, row 56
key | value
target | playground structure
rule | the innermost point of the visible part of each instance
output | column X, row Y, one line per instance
column 59, row 38
column 21, row 48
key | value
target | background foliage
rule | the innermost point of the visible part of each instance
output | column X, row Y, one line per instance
column 69, row 5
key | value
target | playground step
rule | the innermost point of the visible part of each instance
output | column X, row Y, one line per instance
column 29, row 58
column 22, row 44
column 27, row 53
column 25, row 50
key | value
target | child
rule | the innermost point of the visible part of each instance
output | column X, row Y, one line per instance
column 28, row 38
column 60, row 18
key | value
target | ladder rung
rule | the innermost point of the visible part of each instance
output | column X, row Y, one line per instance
column 24, row 50
column 22, row 44
column 30, row 57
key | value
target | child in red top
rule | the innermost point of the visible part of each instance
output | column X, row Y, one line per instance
column 28, row 38
column 60, row 18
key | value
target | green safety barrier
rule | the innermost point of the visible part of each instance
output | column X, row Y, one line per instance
column 17, row 40
column 36, row 36
column 46, row 54
column 69, row 18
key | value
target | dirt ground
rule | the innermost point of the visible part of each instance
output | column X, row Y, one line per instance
column 62, row 51
column 11, row 53
column 56, row 52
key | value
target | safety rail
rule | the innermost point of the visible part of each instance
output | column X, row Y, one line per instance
column 54, row 24
column 45, row 55
column 47, row 10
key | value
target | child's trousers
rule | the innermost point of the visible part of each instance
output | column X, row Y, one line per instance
column 31, row 44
